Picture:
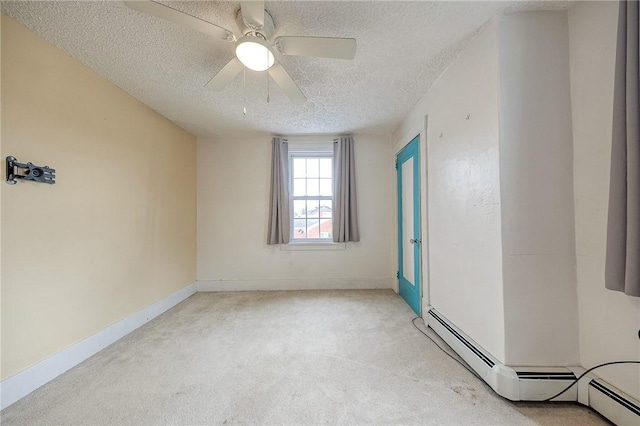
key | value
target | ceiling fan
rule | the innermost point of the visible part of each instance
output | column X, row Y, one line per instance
column 256, row 49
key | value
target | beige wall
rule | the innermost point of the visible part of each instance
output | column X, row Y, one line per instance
column 117, row 230
column 463, row 187
column 609, row 321
column 2, row 171
column 233, row 199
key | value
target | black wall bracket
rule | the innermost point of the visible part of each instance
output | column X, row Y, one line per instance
column 16, row 170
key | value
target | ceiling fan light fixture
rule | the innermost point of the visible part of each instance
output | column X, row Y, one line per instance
column 254, row 53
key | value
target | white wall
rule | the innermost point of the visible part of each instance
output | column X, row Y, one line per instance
column 609, row 321
column 464, row 242
column 536, row 186
column 233, row 199
column 549, row 188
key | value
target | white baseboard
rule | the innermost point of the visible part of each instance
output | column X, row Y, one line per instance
column 296, row 284
column 23, row 383
column 535, row 383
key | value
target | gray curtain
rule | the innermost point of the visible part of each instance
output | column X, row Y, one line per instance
column 622, row 271
column 278, row 232
column 345, row 211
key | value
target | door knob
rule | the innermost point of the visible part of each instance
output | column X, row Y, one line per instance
column 415, row 241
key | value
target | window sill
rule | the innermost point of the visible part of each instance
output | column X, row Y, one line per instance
column 315, row 246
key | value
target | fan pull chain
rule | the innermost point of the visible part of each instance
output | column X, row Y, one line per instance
column 244, row 91
column 267, row 73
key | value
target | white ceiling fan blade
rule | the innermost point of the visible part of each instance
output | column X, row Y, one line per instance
column 225, row 75
column 181, row 18
column 323, row 47
column 253, row 14
column 286, row 83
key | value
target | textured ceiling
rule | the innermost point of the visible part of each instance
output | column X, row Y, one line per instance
column 402, row 49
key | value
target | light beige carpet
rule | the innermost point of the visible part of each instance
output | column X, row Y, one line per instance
column 307, row 357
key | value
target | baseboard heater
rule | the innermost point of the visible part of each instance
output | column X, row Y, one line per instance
column 535, row 383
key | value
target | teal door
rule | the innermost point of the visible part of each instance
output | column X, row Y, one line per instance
column 408, row 171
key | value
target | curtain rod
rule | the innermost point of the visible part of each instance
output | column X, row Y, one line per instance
column 287, row 140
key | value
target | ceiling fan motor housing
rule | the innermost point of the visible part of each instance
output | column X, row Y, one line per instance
column 267, row 30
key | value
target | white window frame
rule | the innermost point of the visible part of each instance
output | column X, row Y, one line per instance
column 309, row 153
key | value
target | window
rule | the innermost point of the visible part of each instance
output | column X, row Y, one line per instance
column 311, row 196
